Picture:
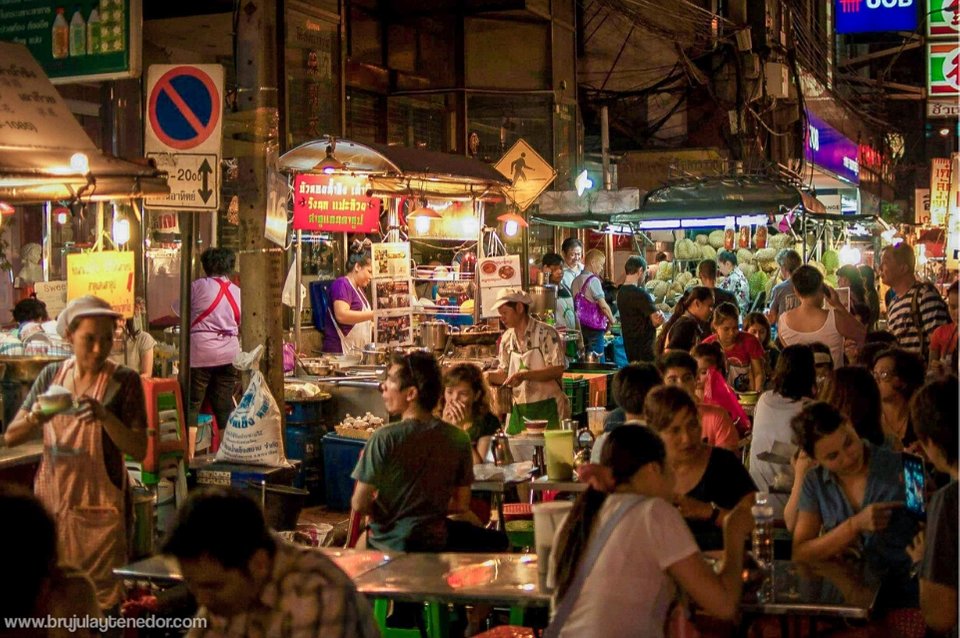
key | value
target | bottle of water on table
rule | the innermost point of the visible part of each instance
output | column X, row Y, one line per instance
column 763, row 543
column 763, row 530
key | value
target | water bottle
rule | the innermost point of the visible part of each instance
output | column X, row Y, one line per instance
column 762, row 511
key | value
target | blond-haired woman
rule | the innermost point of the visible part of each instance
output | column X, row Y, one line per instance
column 593, row 311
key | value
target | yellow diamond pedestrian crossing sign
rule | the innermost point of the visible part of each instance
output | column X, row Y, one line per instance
column 528, row 173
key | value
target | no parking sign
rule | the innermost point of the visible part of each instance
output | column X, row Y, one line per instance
column 183, row 132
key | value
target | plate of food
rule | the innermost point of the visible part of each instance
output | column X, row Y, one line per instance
column 488, row 267
column 55, row 400
column 506, row 271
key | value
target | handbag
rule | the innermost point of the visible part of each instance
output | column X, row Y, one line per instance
column 584, row 567
column 588, row 311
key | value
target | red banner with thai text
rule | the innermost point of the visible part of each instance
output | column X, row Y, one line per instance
column 334, row 203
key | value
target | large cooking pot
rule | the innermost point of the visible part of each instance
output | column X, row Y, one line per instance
column 144, row 525
column 433, row 335
column 374, row 355
column 544, row 298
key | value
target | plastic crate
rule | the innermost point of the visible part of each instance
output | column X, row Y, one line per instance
column 340, row 456
column 305, row 412
column 577, row 391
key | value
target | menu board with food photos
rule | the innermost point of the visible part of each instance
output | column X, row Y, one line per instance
column 496, row 273
column 392, row 289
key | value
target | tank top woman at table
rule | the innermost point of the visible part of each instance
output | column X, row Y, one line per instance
column 214, row 336
column 810, row 323
column 351, row 326
column 82, row 480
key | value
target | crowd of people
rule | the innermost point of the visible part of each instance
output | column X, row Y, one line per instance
column 674, row 475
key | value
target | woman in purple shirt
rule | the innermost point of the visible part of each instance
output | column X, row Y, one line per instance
column 352, row 325
column 214, row 336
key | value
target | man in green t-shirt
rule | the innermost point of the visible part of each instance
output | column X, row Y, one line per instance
column 413, row 473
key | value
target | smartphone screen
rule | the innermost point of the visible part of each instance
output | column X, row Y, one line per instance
column 913, row 481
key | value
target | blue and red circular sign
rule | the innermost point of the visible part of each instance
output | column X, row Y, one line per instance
column 184, row 108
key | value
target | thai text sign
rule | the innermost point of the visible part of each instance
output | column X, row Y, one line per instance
column 334, row 203
column 86, row 40
column 867, row 16
column 829, row 149
column 939, row 190
column 108, row 275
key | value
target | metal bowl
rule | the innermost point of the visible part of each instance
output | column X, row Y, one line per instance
column 26, row 369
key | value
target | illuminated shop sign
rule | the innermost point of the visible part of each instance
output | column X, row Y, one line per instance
column 827, row 148
column 868, row 16
column 334, row 203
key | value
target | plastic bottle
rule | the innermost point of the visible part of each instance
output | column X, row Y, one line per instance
column 60, row 36
column 78, row 34
column 93, row 33
column 762, row 511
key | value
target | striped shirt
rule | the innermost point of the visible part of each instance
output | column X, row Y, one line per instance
column 903, row 324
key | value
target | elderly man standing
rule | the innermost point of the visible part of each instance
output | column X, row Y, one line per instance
column 572, row 251
column 531, row 362
column 918, row 309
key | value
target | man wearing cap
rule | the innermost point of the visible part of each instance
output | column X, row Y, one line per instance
column 531, row 362
column 82, row 479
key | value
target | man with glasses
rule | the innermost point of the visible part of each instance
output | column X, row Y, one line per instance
column 416, row 472
column 679, row 368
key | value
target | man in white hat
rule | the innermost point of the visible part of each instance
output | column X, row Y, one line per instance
column 531, row 362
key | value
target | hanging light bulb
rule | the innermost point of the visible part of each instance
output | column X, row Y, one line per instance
column 512, row 223
column 121, row 230
column 7, row 209
column 80, row 163
column 329, row 164
column 849, row 256
column 422, row 224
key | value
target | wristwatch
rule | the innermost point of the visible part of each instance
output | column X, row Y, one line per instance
column 715, row 514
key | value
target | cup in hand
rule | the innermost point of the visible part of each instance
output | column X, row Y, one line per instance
column 547, row 518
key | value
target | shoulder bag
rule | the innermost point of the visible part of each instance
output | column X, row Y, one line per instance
column 588, row 311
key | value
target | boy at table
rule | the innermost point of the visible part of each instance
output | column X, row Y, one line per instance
column 248, row 582
column 414, row 473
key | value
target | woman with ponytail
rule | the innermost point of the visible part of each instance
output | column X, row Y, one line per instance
column 623, row 546
column 685, row 328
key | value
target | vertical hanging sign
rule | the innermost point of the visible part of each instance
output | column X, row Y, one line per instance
column 939, row 190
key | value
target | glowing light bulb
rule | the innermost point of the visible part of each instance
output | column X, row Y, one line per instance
column 511, row 228
column 80, row 163
column 849, row 256
column 121, row 231
column 62, row 218
column 422, row 224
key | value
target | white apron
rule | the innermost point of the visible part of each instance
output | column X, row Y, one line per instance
column 529, row 393
column 361, row 333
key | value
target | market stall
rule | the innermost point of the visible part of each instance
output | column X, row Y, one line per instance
column 53, row 179
column 407, row 207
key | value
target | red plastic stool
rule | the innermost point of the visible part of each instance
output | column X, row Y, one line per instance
column 507, row 631
column 517, row 512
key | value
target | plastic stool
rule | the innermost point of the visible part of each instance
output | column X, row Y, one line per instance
column 507, row 631
column 436, row 619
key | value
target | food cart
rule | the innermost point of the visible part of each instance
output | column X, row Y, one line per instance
column 393, row 201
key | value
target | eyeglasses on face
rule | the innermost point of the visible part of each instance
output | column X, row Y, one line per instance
column 884, row 375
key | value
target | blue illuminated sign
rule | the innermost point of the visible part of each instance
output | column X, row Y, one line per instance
column 867, row 16
column 827, row 148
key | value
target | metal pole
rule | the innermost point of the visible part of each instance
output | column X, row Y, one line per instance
column 187, row 241
column 298, row 305
column 607, row 183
